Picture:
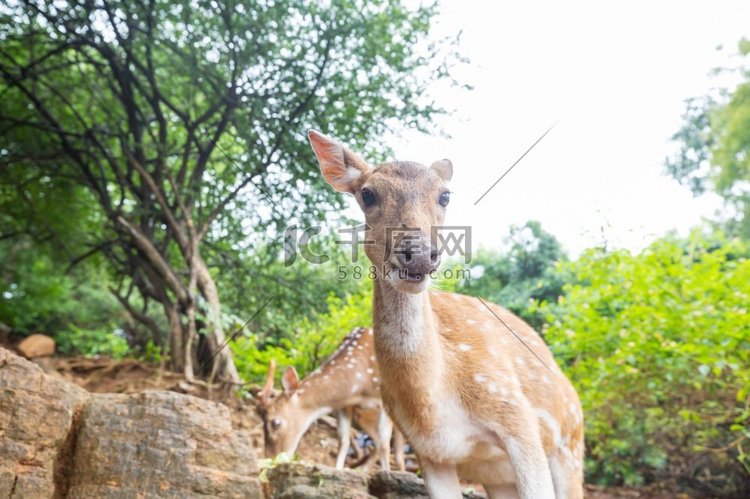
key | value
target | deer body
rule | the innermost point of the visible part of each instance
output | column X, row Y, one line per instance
column 347, row 380
column 474, row 389
column 469, row 396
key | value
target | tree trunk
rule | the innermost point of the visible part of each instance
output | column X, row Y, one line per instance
column 223, row 367
column 176, row 341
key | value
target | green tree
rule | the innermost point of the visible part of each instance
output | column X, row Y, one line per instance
column 184, row 123
column 714, row 148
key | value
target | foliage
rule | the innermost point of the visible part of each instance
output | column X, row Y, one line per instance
column 658, row 346
column 184, row 123
column 714, row 148
column 75, row 308
column 308, row 342
column 109, row 341
column 524, row 273
column 297, row 290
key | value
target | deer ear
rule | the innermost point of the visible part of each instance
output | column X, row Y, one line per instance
column 265, row 394
column 444, row 169
column 340, row 167
column 290, row 381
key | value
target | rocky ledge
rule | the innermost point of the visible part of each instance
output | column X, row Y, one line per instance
column 58, row 441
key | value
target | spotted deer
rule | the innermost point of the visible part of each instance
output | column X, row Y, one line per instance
column 472, row 387
column 348, row 380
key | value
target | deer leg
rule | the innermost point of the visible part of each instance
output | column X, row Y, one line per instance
column 399, row 444
column 441, row 480
column 371, row 426
column 343, row 428
column 566, row 476
column 501, row 491
column 385, row 430
column 529, row 462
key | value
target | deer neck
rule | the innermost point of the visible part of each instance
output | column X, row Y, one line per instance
column 405, row 326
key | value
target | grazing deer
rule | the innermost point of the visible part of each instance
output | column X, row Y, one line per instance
column 471, row 386
column 349, row 379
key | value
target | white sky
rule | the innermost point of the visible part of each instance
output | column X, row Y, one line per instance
column 615, row 76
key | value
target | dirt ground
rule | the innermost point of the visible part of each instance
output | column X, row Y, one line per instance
column 103, row 375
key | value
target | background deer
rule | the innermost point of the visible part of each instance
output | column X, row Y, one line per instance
column 347, row 380
column 472, row 387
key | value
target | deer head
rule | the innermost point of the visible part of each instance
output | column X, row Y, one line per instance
column 403, row 204
column 283, row 421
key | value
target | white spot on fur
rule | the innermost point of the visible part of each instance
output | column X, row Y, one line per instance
column 464, row 347
column 480, row 378
column 370, row 370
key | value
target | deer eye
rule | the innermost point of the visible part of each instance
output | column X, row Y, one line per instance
column 368, row 197
column 275, row 423
column 445, row 198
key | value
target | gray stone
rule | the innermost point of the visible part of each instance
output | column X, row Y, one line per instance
column 403, row 485
column 37, row 417
column 57, row 440
column 163, row 444
column 313, row 481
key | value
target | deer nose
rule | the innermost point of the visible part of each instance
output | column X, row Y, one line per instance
column 418, row 258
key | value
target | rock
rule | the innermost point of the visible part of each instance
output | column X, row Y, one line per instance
column 37, row 419
column 313, row 481
column 397, row 484
column 163, row 443
column 57, row 440
column 403, row 485
column 36, row 345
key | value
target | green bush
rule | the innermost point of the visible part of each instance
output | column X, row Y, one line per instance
column 75, row 308
column 106, row 341
column 658, row 346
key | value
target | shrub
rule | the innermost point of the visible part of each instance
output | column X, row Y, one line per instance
column 658, row 346
column 110, row 342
